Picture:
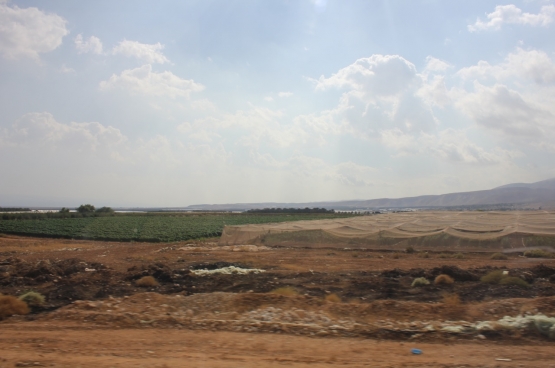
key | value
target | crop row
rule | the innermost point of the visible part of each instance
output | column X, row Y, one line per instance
column 157, row 228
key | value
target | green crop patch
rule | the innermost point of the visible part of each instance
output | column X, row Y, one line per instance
column 148, row 227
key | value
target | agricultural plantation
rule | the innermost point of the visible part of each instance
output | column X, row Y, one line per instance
column 145, row 227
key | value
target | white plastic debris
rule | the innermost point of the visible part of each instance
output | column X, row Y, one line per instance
column 231, row 270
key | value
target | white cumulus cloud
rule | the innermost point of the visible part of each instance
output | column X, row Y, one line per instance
column 93, row 45
column 145, row 81
column 28, row 32
column 510, row 14
column 150, row 53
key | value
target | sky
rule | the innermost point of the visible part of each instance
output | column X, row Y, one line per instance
column 173, row 103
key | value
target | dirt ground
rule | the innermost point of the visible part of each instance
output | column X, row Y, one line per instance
column 95, row 314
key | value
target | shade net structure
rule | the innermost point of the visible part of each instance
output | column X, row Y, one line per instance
column 470, row 229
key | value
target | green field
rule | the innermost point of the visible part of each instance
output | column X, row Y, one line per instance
column 145, row 227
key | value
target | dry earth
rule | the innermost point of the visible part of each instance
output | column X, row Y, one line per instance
column 95, row 315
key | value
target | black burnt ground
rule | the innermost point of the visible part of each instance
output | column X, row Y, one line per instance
column 64, row 281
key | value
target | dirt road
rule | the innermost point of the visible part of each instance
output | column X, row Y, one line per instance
column 71, row 345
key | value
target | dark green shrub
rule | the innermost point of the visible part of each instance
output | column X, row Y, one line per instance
column 498, row 257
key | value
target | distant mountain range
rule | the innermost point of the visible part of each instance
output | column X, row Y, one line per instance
column 520, row 195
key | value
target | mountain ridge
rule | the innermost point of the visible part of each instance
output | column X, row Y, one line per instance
column 538, row 193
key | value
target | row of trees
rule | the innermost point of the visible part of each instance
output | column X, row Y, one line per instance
column 88, row 209
column 291, row 210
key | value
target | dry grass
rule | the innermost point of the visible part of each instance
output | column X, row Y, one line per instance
column 286, row 291
column 333, row 298
column 443, row 280
column 451, row 300
column 10, row 305
column 147, row 281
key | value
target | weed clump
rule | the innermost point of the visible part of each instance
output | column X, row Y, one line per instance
column 500, row 277
column 147, row 281
column 443, row 279
column 493, row 277
column 333, row 298
column 32, row 298
column 459, row 256
column 498, row 257
column 538, row 253
column 424, row 255
column 10, row 305
column 512, row 280
column 410, row 249
column 420, row 281
column 285, row 290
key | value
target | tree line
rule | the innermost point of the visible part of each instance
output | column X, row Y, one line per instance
column 290, row 210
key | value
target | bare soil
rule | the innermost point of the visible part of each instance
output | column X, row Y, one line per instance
column 374, row 287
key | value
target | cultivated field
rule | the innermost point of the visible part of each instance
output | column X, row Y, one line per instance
column 153, row 227
column 297, row 299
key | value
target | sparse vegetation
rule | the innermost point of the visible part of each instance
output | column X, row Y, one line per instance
column 424, row 255
column 10, row 305
column 538, row 253
column 443, row 279
column 512, row 280
column 410, row 249
column 493, row 277
column 498, row 257
column 420, row 281
column 32, row 298
column 502, row 278
column 458, row 256
column 333, row 298
column 147, row 281
column 285, row 290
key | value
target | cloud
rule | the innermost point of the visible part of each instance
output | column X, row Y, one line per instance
column 381, row 93
column 510, row 14
column 381, row 75
column 507, row 111
column 533, row 65
column 93, row 45
column 150, row 53
column 513, row 99
column 251, row 128
column 28, row 32
column 285, row 94
column 143, row 80
column 42, row 130
column 448, row 145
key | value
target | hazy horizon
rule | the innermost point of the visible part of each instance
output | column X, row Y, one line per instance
column 131, row 104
